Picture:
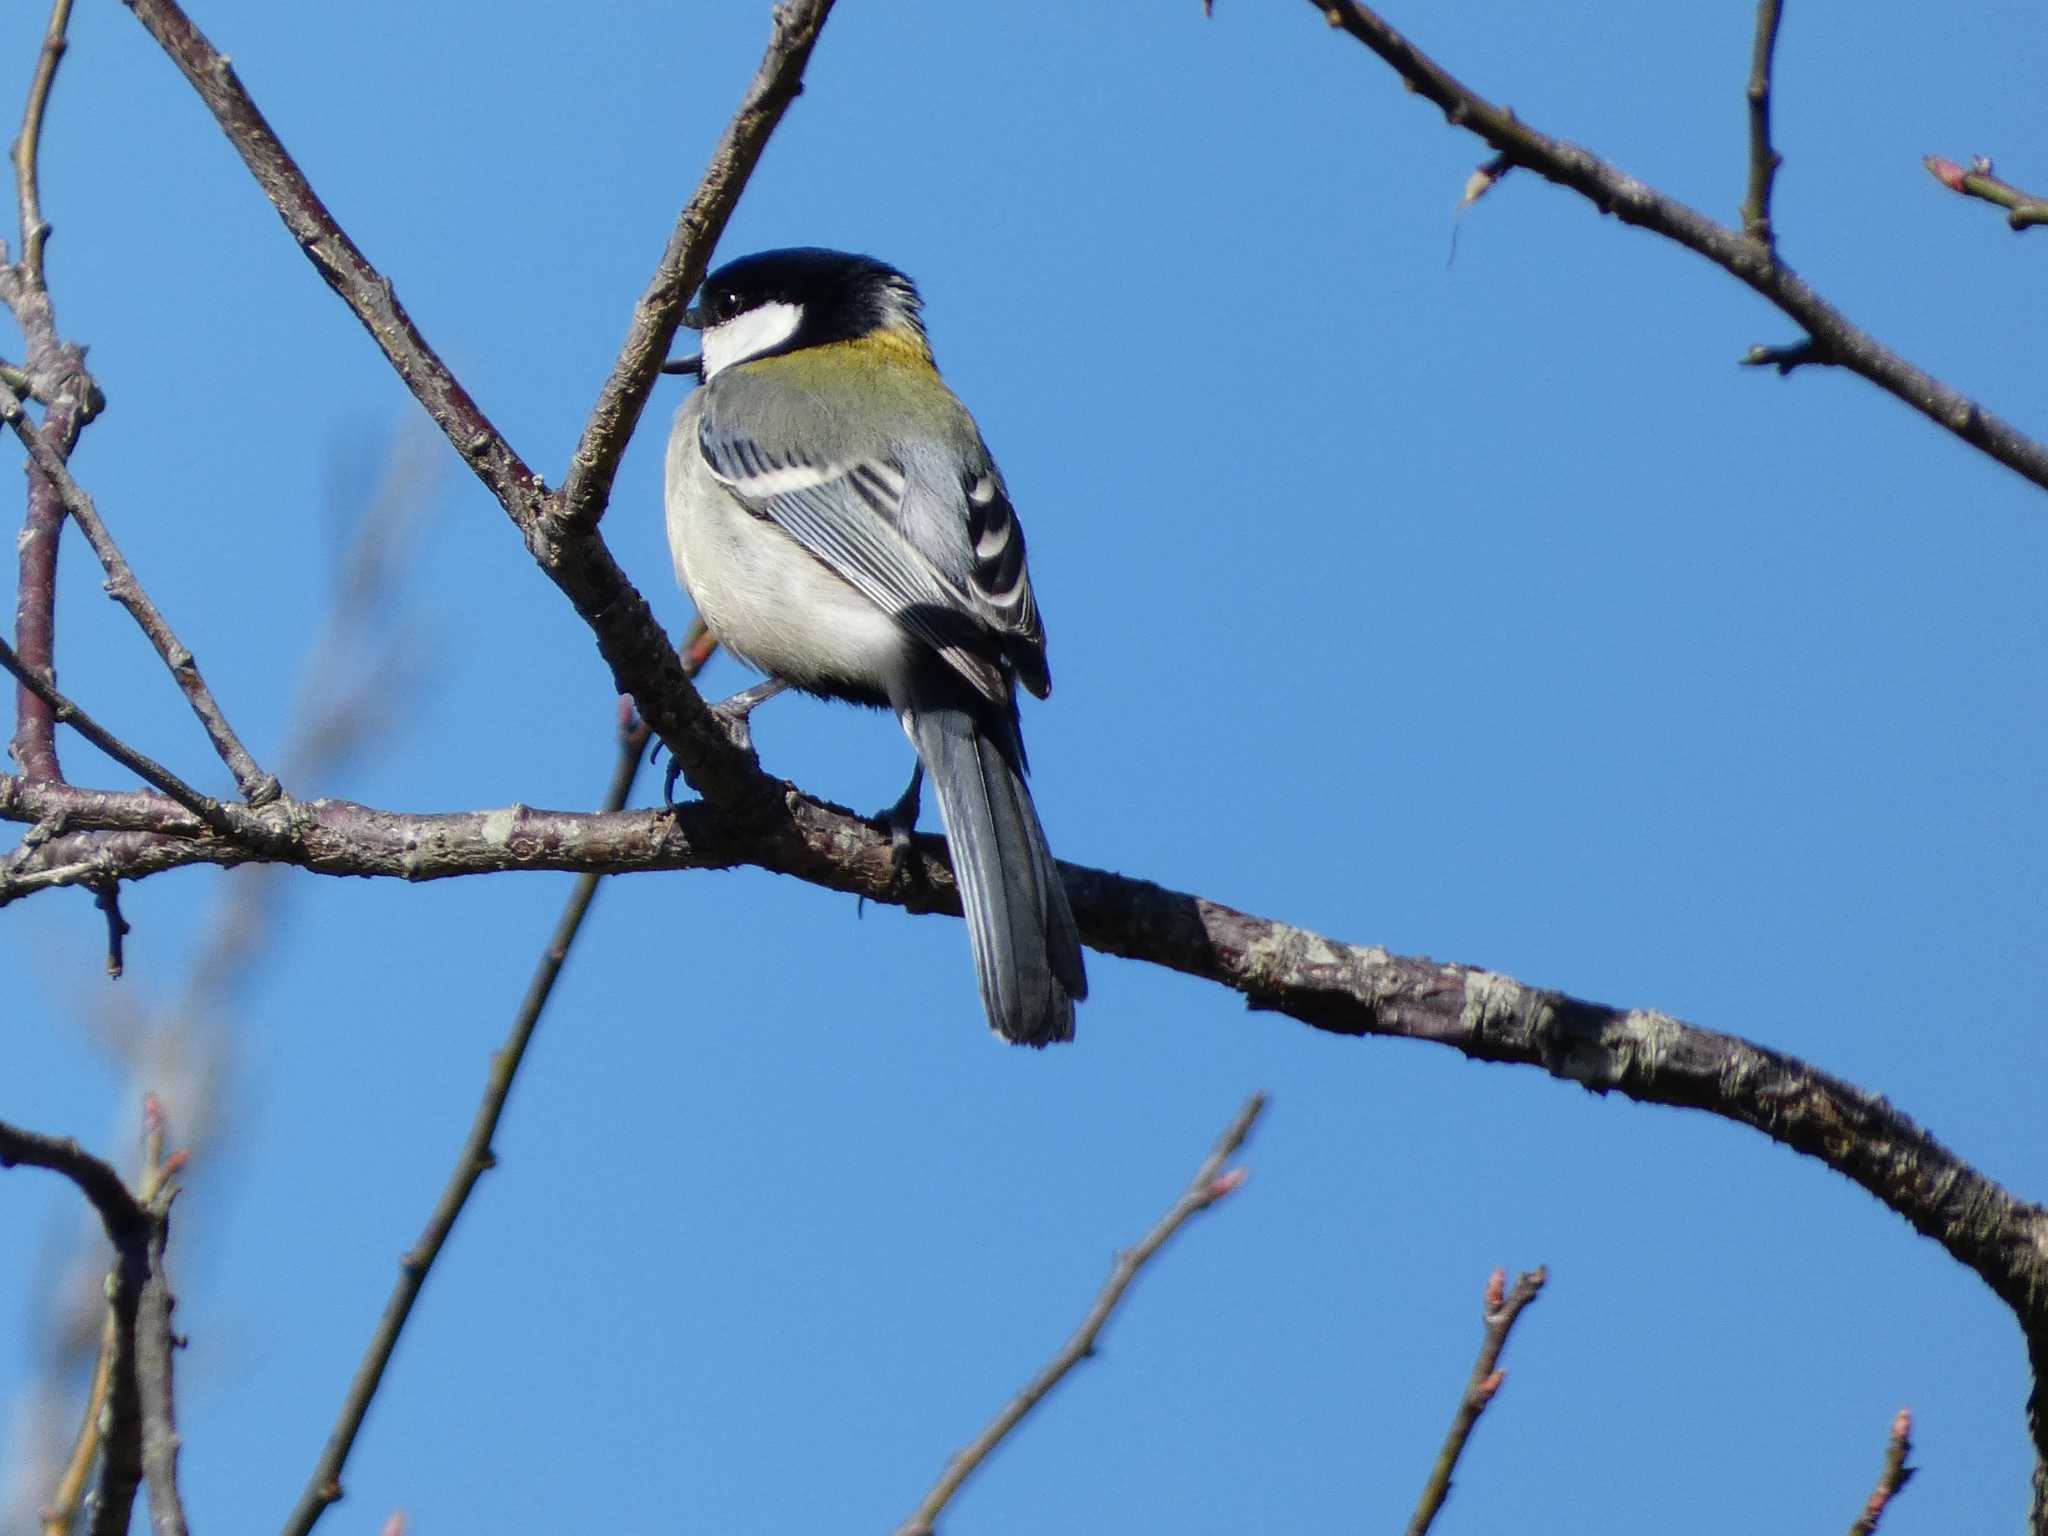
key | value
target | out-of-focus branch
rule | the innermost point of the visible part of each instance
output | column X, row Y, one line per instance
column 1891, row 1479
column 588, row 485
column 1209, row 1185
column 2023, row 209
column 61, row 1512
column 1763, row 159
column 1503, row 1307
column 476, row 1158
column 132, row 1229
column 1836, row 340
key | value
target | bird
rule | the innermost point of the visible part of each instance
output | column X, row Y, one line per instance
column 841, row 526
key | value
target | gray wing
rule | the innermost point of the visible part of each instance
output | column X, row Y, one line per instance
column 946, row 559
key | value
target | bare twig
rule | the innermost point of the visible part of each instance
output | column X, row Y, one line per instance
column 154, row 1345
column 324, row 1487
column 1209, row 1185
column 1895, row 1475
column 56, row 375
column 64, row 712
column 588, row 485
column 109, row 902
column 35, row 230
column 1763, row 159
column 2023, row 209
column 1502, row 1308
column 1612, row 190
column 256, row 785
column 1797, row 354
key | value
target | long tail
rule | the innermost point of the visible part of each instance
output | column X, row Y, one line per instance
column 1027, row 951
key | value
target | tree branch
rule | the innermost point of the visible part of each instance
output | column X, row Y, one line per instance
column 1836, row 339
column 1340, row 988
column 35, row 230
column 642, row 661
column 1889, row 1481
column 1503, row 1307
column 130, row 1229
column 2023, row 209
column 55, row 374
column 255, row 785
column 64, row 712
column 1763, row 160
column 588, row 486
column 476, row 1158
column 1209, row 1185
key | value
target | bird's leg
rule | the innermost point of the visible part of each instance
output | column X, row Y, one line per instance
column 731, row 714
column 901, row 820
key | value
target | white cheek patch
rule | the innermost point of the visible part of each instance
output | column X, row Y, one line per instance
column 749, row 335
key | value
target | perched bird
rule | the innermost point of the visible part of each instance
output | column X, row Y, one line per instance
column 841, row 526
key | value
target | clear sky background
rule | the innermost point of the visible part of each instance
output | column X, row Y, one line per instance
column 1485, row 610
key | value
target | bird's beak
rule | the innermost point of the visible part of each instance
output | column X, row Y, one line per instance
column 693, row 318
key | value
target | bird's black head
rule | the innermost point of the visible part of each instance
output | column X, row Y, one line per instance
column 783, row 301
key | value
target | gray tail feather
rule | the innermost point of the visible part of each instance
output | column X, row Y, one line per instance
column 1027, row 951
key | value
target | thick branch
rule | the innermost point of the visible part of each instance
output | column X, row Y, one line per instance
column 775, row 85
column 1341, row 988
column 1209, row 1185
column 1613, row 191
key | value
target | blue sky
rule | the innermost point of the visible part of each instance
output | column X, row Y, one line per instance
column 1479, row 609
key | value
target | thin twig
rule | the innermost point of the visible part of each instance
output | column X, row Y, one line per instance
column 1502, row 1308
column 2023, row 209
column 108, row 900
column 1209, row 1185
column 35, row 230
column 1612, row 190
column 1796, row 354
column 1763, row 159
column 257, row 787
column 1895, row 1475
column 324, row 1487
column 64, row 712
column 588, row 484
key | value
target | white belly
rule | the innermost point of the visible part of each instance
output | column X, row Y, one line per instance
column 766, row 599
